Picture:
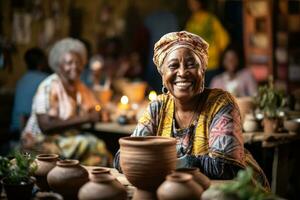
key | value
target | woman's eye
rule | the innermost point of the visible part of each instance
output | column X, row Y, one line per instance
column 173, row 66
column 190, row 64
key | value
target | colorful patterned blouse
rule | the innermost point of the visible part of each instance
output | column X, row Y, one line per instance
column 213, row 143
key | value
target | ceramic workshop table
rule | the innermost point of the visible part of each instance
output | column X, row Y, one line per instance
column 283, row 145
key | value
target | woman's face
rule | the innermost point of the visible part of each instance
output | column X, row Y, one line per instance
column 182, row 74
column 71, row 67
column 231, row 61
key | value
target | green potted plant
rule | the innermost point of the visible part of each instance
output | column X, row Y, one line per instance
column 17, row 181
column 4, row 169
column 270, row 100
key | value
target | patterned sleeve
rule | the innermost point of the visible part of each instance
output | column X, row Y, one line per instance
column 226, row 153
column 225, row 138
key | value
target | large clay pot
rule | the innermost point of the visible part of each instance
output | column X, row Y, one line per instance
column 179, row 186
column 45, row 163
column 146, row 161
column 67, row 177
column 200, row 178
column 102, row 186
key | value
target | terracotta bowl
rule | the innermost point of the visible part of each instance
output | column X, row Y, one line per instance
column 292, row 125
column 146, row 161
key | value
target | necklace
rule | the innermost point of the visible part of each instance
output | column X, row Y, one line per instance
column 180, row 121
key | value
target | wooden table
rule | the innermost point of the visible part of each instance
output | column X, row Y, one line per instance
column 283, row 144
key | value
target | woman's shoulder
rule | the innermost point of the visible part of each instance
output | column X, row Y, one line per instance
column 49, row 80
column 218, row 95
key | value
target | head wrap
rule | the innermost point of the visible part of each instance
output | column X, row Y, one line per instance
column 174, row 40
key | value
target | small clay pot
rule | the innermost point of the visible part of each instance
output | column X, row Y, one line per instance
column 102, row 186
column 179, row 186
column 292, row 125
column 45, row 163
column 250, row 124
column 67, row 178
column 270, row 125
column 199, row 177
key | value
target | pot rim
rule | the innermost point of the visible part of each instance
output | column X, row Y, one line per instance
column 67, row 163
column 99, row 170
column 47, row 156
column 179, row 177
column 146, row 141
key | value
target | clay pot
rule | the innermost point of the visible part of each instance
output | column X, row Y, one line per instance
column 45, row 163
column 199, row 177
column 292, row 125
column 102, row 186
column 246, row 106
column 179, row 186
column 67, row 177
column 146, row 161
column 104, row 95
column 135, row 91
column 250, row 124
column 270, row 125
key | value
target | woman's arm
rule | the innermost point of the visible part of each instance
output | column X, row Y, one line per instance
column 49, row 124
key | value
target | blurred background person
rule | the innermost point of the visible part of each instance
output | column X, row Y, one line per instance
column 207, row 25
column 235, row 79
column 61, row 104
column 36, row 63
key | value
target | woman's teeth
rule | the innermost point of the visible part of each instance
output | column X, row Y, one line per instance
column 183, row 84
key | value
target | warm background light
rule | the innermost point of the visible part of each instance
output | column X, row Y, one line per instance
column 124, row 100
column 152, row 95
column 97, row 108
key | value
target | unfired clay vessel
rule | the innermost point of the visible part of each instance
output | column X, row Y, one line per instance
column 146, row 161
column 199, row 177
column 102, row 186
column 45, row 163
column 67, row 177
column 179, row 186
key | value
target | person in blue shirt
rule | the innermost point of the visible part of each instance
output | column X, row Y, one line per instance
column 36, row 63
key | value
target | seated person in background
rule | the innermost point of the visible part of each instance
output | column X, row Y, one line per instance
column 36, row 62
column 205, row 122
column 97, row 79
column 235, row 79
column 61, row 104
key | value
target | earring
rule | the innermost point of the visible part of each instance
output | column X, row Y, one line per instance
column 164, row 90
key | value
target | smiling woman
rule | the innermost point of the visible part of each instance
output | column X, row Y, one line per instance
column 205, row 122
column 61, row 104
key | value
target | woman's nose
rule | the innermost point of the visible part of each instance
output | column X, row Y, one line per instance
column 182, row 70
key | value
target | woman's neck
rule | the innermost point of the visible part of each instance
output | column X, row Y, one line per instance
column 70, row 87
column 187, row 105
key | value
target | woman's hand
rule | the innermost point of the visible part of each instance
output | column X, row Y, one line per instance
column 182, row 162
column 28, row 141
column 94, row 116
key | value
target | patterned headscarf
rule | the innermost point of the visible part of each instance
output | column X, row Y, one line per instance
column 174, row 40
